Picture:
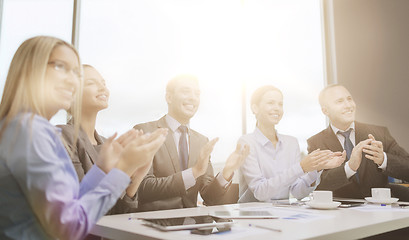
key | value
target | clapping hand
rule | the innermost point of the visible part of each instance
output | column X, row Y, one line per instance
column 140, row 151
column 335, row 161
column 235, row 160
column 111, row 149
column 203, row 162
column 315, row 160
column 374, row 150
column 356, row 155
column 137, row 178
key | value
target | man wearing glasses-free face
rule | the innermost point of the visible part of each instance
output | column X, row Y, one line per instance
column 181, row 168
column 372, row 153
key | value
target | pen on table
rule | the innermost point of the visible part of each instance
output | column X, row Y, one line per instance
column 263, row 227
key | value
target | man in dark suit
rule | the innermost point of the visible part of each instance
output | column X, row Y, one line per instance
column 372, row 153
column 181, row 168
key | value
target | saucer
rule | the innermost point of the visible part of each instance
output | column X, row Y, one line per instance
column 382, row 201
column 323, row 205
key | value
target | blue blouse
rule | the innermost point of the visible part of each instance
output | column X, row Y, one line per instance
column 40, row 194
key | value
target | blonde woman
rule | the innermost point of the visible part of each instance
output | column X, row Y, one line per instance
column 40, row 194
column 84, row 150
column 274, row 167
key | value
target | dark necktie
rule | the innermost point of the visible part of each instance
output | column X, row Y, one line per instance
column 183, row 151
column 348, row 146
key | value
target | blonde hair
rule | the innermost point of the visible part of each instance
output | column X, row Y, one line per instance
column 259, row 93
column 25, row 83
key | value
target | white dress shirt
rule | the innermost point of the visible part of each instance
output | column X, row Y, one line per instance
column 187, row 174
column 348, row 171
column 273, row 172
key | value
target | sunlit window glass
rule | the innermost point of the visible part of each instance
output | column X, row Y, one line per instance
column 23, row 19
column 285, row 50
column 230, row 45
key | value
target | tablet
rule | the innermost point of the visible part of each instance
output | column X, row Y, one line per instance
column 244, row 214
column 188, row 222
column 210, row 230
column 347, row 204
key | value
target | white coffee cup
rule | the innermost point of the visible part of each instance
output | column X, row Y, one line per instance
column 381, row 193
column 322, row 196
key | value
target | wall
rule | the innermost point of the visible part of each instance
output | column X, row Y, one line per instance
column 370, row 43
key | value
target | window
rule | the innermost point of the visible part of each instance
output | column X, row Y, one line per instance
column 23, row 19
column 233, row 46
column 230, row 45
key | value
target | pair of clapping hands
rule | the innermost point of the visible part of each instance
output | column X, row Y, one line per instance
column 326, row 159
column 233, row 162
column 132, row 152
column 372, row 149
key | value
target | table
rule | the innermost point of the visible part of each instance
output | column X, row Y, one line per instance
column 346, row 223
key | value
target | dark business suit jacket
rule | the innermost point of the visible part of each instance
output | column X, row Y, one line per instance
column 83, row 155
column 370, row 176
column 163, row 187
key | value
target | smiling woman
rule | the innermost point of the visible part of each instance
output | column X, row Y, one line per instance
column 84, row 149
column 61, row 93
column 95, row 96
column 95, row 93
column 40, row 194
column 275, row 167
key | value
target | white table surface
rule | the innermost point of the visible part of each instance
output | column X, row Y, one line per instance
column 340, row 223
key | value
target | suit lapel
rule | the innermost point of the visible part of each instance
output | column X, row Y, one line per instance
column 170, row 146
column 332, row 141
column 194, row 148
column 361, row 134
column 89, row 148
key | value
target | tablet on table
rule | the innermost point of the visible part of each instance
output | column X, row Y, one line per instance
column 187, row 222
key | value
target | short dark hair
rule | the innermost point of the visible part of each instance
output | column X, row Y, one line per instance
column 259, row 93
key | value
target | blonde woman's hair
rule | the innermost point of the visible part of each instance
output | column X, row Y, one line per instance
column 25, row 83
column 70, row 117
column 259, row 93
